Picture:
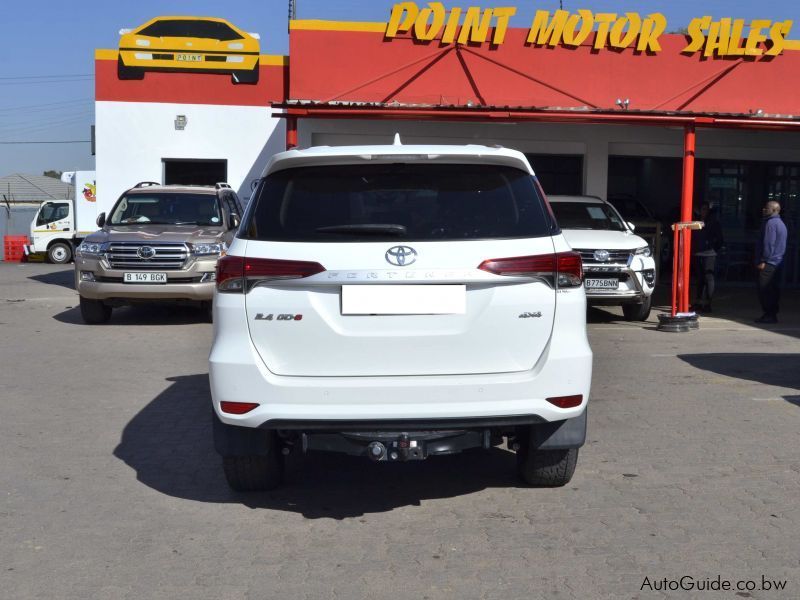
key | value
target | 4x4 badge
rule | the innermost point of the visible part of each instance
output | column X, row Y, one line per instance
column 401, row 256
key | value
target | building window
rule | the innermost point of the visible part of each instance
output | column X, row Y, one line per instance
column 560, row 175
column 194, row 171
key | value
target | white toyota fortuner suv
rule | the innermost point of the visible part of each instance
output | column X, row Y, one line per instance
column 398, row 302
column 618, row 266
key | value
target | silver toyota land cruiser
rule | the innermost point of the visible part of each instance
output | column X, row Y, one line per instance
column 157, row 243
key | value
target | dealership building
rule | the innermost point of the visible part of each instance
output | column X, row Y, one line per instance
column 619, row 110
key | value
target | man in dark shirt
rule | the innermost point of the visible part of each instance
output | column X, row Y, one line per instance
column 706, row 243
column 769, row 256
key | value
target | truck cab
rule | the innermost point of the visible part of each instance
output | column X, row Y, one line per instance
column 52, row 231
column 60, row 224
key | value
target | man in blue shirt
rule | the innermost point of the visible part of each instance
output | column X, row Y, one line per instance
column 769, row 256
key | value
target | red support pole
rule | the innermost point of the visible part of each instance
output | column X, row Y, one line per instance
column 683, row 251
column 291, row 132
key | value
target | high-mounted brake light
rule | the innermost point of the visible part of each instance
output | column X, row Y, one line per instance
column 237, row 274
column 567, row 266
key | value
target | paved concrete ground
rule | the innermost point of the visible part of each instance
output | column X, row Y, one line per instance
column 111, row 488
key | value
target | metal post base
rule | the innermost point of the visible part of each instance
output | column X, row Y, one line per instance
column 680, row 323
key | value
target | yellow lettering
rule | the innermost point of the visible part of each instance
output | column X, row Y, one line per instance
column 503, row 14
column 713, row 42
column 634, row 23
column 421, row 29
column 449, row 35
column 654, row 26
column 587, row 24
column 735, row 45
column 695, row 29
column 542, row 33
column 476, row 25
column 778, row 34
column 603, row 21
column 403, row 16
column 756, row 37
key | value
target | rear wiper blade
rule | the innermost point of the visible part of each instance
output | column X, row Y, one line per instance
column 366, row 228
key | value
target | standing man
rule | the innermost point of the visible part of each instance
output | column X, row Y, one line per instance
column 769, row 254
column 706, row 243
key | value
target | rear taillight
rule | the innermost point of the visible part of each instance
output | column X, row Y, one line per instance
column 565, row 266
column 237, row 274
column 566, row 401
column 237, row 408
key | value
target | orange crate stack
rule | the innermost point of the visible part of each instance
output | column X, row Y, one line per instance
column 14, row 247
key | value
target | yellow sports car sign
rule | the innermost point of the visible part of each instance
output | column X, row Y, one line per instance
column 197, row 44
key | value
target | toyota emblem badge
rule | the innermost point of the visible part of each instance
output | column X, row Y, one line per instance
column 146, row 252
column 401, row 256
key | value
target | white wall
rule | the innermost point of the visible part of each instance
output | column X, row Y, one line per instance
column 133, row 137
column 595, row 142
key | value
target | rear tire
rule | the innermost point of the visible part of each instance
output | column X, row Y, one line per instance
column 637, row 312
column 546, row 468
column 59, row 253
column 207, row 310
column 94, row 312
column 255, row 473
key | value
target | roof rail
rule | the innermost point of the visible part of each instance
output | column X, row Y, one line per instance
column 221, row 184
column 142, row 184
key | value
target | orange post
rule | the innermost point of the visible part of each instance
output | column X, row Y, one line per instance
column 689, row 140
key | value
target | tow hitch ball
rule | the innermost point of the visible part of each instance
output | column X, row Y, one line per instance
column 401, row 449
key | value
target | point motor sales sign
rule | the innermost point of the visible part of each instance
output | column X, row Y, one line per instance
column 723, row 37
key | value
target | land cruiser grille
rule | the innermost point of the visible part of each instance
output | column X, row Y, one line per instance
column 615, row 257
column 125, row 255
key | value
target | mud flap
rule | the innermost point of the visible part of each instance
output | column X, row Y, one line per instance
column 559, row 435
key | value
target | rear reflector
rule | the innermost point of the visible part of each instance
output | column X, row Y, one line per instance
column 237, row 408
column 236, row 274
column 566, row 265
column 566, row 401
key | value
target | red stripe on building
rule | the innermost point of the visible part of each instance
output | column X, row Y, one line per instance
column 191, row 88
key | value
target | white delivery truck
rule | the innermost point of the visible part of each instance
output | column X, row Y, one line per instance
column 60, row 225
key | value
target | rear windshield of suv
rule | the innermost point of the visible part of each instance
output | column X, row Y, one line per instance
column 347, row 203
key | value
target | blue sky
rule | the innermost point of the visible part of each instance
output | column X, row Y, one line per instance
column 51, row 43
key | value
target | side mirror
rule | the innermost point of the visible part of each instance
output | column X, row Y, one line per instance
column 235, row 220
column 101, row 219
column 631, row 226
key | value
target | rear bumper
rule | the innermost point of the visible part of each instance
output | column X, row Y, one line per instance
column 238, row 374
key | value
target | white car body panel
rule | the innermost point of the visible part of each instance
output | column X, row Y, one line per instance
column 487, row 362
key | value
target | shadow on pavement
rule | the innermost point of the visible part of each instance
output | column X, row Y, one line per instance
column 60, row 278
column 169, row 445
column 142, row 314
column 770, row 369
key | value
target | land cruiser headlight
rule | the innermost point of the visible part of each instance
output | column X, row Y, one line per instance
column 209, row 249
column 91, row 248
column 643, row 251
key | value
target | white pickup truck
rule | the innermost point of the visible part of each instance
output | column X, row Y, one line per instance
column 59, row 225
